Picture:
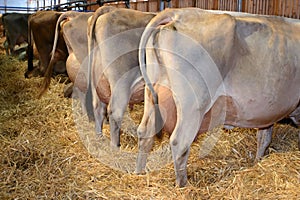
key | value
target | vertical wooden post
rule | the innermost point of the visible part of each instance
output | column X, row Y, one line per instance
column 268, row 7
column 298, row 10
column 276, row 7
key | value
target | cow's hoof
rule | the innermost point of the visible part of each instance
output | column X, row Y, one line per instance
column 139, row 172
column 114, row 147
column 99, row 134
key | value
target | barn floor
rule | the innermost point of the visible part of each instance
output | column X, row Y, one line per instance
column 43, row 157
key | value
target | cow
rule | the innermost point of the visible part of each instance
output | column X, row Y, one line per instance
column 41, row 31
column 235, row 70
column 114, row 78
column 74, row 28
column 16, row 30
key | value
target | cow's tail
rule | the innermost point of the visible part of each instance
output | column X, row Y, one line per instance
column 153, row 25
column 90, row 85
column 29, row 50
column 49, row 70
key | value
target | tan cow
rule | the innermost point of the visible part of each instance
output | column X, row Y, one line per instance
column 240, row 71
column 114, row 76
column 74, row 30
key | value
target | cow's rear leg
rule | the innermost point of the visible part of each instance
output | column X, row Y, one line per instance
column 264, row 137
column 145, row 145
column 145, row 133
column 185, row 131
column 295, row 117
column 100, row 115
column 116, row 109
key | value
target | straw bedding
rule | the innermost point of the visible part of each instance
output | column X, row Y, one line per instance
column 44, row 155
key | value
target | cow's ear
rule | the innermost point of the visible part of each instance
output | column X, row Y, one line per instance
column 245, row 27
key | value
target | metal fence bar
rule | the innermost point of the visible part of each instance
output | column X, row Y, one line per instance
column 239, row 5
column 16, row 9
column 64, row 6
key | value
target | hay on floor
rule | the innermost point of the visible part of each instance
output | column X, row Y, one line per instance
column 43, row 157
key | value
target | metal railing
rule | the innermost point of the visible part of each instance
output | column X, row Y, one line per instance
column 5, row 9
column 80, row 5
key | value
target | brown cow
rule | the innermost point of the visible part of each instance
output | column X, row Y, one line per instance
column 41, row 30
column 240, row 76
column 114, row 75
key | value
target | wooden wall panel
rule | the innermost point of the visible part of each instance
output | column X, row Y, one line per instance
column 153, row 6
column 206, row 4
column 181, row 4
column 230, row 5
column 287, row 8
